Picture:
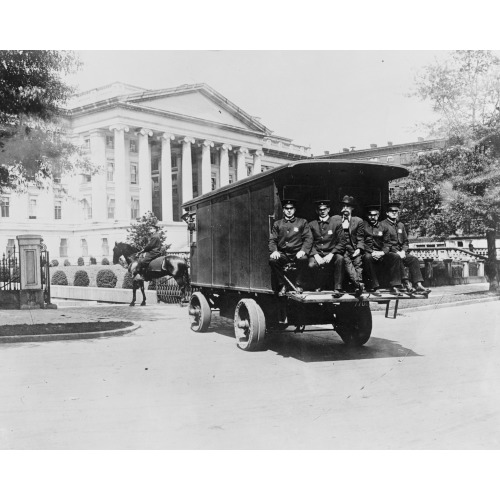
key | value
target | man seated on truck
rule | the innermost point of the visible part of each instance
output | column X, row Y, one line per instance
column 398, row 243
column 378, row 262
column 290, row 243
column 326, row 261
column 354, row 236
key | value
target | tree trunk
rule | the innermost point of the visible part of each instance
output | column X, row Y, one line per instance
column 491, row 265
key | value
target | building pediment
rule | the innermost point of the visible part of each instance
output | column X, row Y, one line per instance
column 197, row 101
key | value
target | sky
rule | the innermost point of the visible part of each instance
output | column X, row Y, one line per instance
column 327, row 100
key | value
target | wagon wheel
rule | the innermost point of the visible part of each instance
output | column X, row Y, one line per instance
column 354, row 324
column 249, row 325
column 199, row 312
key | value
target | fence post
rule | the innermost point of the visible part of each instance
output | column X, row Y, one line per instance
column 31, row 272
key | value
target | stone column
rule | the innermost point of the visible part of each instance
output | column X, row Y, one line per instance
column 98, row 158
column 145, row 182
column 257, row 165
column 122, row 174
column 241, row 167
column 224, row 164
column 465, row 269
column 166, row 178
column 187, row 169
column 206, row 167
column 480, row 268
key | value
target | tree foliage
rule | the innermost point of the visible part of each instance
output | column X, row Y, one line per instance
column 33, row 146
column 140, row 232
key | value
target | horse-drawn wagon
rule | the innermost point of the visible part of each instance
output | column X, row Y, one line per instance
column 229, row 234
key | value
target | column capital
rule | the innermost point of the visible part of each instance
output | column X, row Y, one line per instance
column 167, row 136
column 207, row 143
column 144, row 131
column 119, row 127
column 258, row 152
column 187, row 140
column 241, row 151
column 226, row 147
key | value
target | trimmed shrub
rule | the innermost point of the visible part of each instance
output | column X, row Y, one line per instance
column 80, row 261
column 67, row 262
column 59, row 278
column 4, row 274
column 105, row 262
column 16, row 275
column 81, row 279
column 54, row 263
column 127, row 281
column 93, row 261
column 106, row 279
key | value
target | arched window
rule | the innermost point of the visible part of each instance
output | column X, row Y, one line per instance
column 63, row 247
column 85, row 247
column 86, row 209
column 105, row 246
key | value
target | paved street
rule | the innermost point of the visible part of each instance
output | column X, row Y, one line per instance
column 427, row 380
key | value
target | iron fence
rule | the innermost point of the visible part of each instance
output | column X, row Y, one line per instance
column 9, row 270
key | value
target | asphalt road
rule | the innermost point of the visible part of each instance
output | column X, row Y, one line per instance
column 428, row 380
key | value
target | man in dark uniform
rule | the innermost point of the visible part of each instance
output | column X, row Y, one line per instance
column 290, row 243
column 398, row 243
column 354, row 236
column 377, row 260
column 151, row 251
column 327, row 250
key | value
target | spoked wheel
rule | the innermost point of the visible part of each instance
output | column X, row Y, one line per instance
column 249, row 325
column 200, row 313
column 354, row 324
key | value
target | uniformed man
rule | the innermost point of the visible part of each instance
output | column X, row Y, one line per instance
column 289, row 244
column 151, row 251
column 354, row 237
column 378, row 261
column 398, row 243
column 326, row 261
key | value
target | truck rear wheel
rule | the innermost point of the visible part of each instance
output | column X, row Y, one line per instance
column 354, row 324
column 249, row 325
column 199, row 312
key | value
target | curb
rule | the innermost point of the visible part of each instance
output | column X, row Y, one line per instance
column 441, row 305
column 68, row 336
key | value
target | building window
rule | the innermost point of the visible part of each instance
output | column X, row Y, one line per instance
column 134, row 208
column 390, row 159
column 87, row 209
column 5, row 207
column 231, row 178
column 86, row 144
column 133, row 146
column 155, row 164
column 63, row 248
column 86, row 178
column 11, row 247
column 110, row 142
column 133, row 173
column 213, row 157
column 32, row 208
column 105, row 246
column 111, row 208
column 110, row 169
column 85, row 247
column 57, row 209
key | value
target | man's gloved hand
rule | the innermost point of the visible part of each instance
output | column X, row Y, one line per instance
column 377, row 254
column 301, row 254
column 275, row 255
column 328, row 258
column 356, row 252
column 319, row 259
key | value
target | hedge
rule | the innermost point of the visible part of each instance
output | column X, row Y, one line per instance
column 80, row 261
column 93, row 261
column 127, row 281
column 106, row 278
column 54, row 263
column 105, row 262
column 67, row 262
column 81, row 279
column 59, row 278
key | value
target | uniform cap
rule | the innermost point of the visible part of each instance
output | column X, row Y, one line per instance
column 393, row 204
column 322, row 202
column 372, row 208
column 348, row 200
column 289, row 201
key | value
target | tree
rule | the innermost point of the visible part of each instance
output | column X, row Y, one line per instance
column 140, row 232
column 457, row 190
column 33, row 146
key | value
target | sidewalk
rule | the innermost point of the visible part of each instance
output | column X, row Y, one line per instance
column 443, row 296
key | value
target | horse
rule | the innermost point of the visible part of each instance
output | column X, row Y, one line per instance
column 172, row 266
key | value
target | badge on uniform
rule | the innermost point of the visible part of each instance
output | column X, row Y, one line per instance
column 400, row 230
column 296, row 229
column 330, row 231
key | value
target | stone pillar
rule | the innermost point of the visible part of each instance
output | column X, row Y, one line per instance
column 465, row 269
column 241, row 167
column 449, row 272
column 224, row 164
column 166, row 178
column 145, row 182
column 98, row 158
column 257, row 165
column 187, row 169
column 480, row 268
column 206, row 167
column 122, row 174
column 29, row 261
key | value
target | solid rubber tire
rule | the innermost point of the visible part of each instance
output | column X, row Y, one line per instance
column 198, row 301
column 250, row 338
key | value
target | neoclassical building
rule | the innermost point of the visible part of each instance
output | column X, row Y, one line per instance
column 155, row 149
